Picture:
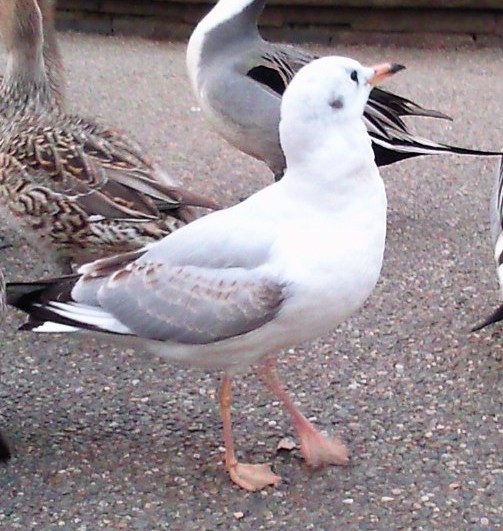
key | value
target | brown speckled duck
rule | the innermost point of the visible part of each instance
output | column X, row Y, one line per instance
column 81, row 189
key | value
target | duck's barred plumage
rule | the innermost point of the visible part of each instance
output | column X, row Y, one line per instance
column 82, row 188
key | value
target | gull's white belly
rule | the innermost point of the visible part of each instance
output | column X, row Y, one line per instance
column 324, row 289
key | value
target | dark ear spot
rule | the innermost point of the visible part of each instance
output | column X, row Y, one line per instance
column 337, row 104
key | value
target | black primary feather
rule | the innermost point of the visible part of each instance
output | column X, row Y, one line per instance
column 5, row 453
column 269, row 77
column 31, row 298
column 495, row 317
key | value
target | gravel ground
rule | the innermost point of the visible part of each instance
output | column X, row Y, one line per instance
column 110, row 439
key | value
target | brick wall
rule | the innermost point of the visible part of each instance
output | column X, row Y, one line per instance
column 294, row 20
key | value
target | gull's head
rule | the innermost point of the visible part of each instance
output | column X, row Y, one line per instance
column 333, row 89
column 325, row 102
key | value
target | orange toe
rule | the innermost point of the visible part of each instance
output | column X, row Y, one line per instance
column 319, row 450
column 253, row 477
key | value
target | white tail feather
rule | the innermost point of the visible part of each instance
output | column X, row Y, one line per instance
column 89, row 315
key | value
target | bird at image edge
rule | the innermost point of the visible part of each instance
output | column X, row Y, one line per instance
column 4, row 449
column 496, row 211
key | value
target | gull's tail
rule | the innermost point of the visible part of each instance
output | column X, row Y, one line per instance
column 391, row 139
column 36, row 298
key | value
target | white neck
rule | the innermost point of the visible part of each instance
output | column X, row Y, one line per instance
column 222, row 12
column 340, row 159
column 346, row 142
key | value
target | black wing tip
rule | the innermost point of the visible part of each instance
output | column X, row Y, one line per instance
column 397, row 67
column 495, row 317
column 404, row 106
column 432, row 113
column 441, row 115
column 20, row 293
column 385, row 155
column 34, row 299
column 476, row 152
column 30, row 325
column 5, row 453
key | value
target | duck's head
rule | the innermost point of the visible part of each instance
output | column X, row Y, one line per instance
column 21, row 26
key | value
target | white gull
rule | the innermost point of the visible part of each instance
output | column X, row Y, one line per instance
column 283, row 267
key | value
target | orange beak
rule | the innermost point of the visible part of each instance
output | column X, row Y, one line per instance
column 383, row 71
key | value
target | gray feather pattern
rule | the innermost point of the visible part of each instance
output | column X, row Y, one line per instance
column 188, row 304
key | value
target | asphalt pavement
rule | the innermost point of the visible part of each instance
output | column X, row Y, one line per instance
column 107, row 438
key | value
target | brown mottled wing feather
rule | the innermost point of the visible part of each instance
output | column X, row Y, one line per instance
column 95, row 275
column 72, row 163
column 124, row 162
column 35, row 203
column 110, row 147
column 55, row 161
column 189, row 304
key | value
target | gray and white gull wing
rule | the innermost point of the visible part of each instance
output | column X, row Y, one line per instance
column 190, row 294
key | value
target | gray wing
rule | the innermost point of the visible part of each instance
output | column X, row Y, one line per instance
column 245, row 97
column 189, row 304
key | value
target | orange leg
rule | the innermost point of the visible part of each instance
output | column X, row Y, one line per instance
column 317, row 449
column 249, row 477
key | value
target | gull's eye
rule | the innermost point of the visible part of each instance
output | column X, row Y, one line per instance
column 354, row 76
